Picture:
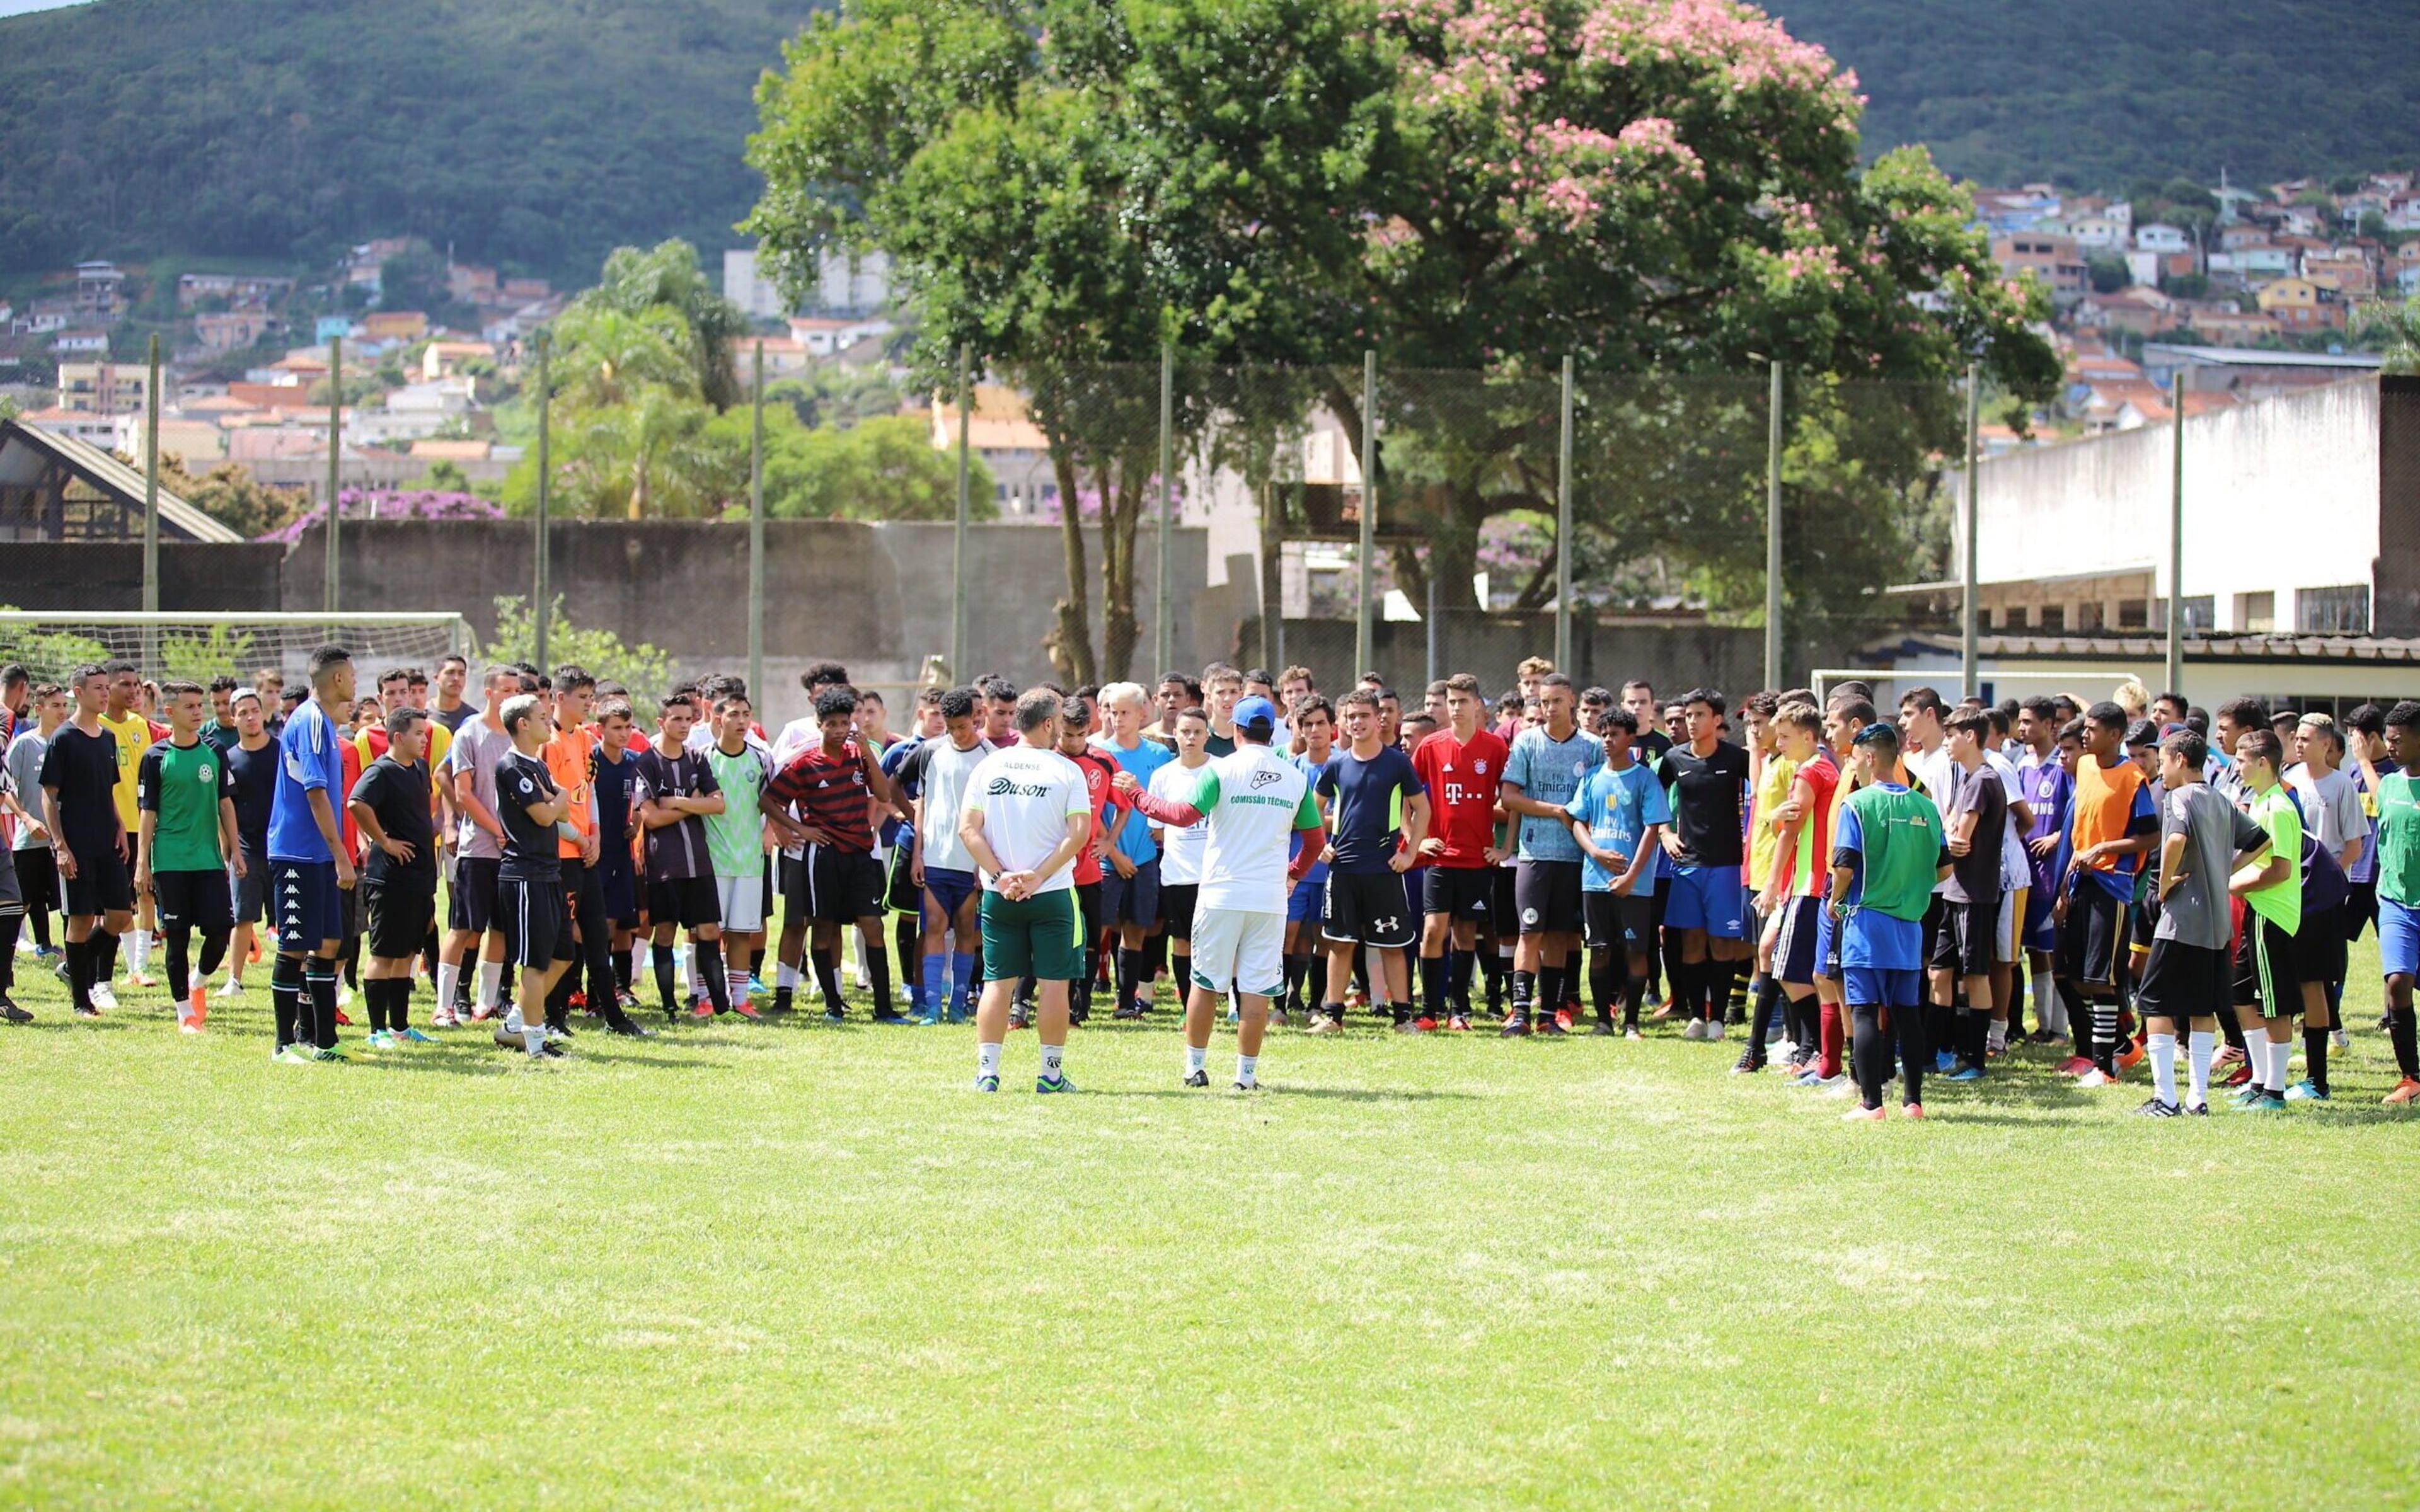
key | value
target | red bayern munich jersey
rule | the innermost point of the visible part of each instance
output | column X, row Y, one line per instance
column 1462, row 781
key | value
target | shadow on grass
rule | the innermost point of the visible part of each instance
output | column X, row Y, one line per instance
column 68, row 1021
column 1280, row 1090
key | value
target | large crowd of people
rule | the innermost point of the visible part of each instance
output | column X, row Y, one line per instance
column 1868, row 895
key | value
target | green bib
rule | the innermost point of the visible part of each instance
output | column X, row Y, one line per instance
column 1902, row 836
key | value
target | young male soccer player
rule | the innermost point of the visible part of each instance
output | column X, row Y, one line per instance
column 393, row 808
column 2043, row 783
column 2267, row 970
column 1886, row 856
column 676, row 793
column 35, row 859
column 835, row 880
column 1706, row 783
column 1976, row 820
column 1254, row 803
column 2203, row 841
column 1131, row 893
column 124, row 718
column 1023, row 819
column 188, row 842
column 309, row 868
column 1377, row 813
column 1462, row 767
column 2398, row 894
column 252, row 765
column 530, row 904
column 735, row 841
column 2114, row 825
column 1108, row 816
column 1802, row 858
column 1314, row 733
column 1618, row 818
column 1547, row 765
column 934, row 777
column 615, row 781
column 472, row 942
column 79, row 780
column 1181, row 846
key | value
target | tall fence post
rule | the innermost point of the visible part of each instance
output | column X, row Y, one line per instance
column 756, row 534
column 1970, row 653
column 1365, row 622
column 152, row 513
column 1432, row 614
column 331, row 572
column 1163, row 628
column 2176, row 679
column 960, row 666
column 1563, row 539
column 1773, row 530
column 541, row 590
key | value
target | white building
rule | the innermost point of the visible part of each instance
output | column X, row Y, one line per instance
column 843, row 286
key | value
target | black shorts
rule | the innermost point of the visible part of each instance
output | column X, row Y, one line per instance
column 2184, row 981
column 1794, row 946
column 1367, row 908
column 1506, row 905
column 2360, row 906
column 2267, row 971
column 100, row 886
column 349, row 912
column 1936, row 927
column 621, row 892
column 38, row 878
column 1546, row 897
column 900, row 893
column 1459, row 892
column 1176, row 907
column 472, row 904
column 536, row 921
column 831, row 886
column 685, row 902
column 1619, row 924
column 1968, row 930
column 2092, row 941
column 399, row 915
column 193, row 899
column 252, row 891
column 2319, row 947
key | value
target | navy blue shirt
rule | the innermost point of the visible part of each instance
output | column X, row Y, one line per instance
column 1366, row 807
column 256, row 786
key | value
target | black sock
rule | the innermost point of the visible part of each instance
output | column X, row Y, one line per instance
column 1768, row 1008
column 1808, row 1033
column 2315, row 1057
column 1914, row 1051
column 1602, row 982
column 320, row 987
column 180, row 964
column 286, row 995
column 1868, row 1056
column 79, row 954
column 2403, row 1033
column 1734, row 1009
column 827, row 974
column 399, row 1005
column 908, row 942
column 1550, row 990
column 2231, row 1028
column 1315, row 980
column 663, row 963
column 878, row 970
column 1633, row 991
column 104, row 956
column 621, row 972
column 1436, row 985
column 10, row 926
column 1459, row 965
column 1130, row 970
column 1685, row 984
column 1975, row 1037
column 2105, row 1036
column 42, row 928
column 214, row 944
column 1524, row 990
column 711, row 965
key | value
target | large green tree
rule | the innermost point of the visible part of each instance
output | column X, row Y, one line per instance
column 1660, row 188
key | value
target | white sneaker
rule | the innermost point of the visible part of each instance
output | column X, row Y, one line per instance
column 230, row 988
column 1714, row 1029
column 1785, row 1049
column 1696, row 1029
column 2341, row 1039
column 104, row 997
column 343, row 995
column 2095, row 1078
column 1839, row 1086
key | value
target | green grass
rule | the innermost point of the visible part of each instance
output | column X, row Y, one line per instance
column 797, row 1265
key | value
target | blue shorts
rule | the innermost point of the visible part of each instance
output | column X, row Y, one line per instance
column 1827, row 941
column 1307, row 904
column 1133, row 900
column 1884, row 987
column 949, row 889
column 305, row 905
column 2040, row 931
column 1707, row 898
column 2398, row 939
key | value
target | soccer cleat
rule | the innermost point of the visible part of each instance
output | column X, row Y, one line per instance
column 290, row 1055
column 1562, row 1021
column 230, row 988
column 2250, row 1094
column 482, row 1014
column 1277, row 1016
column 1944, row 1062
column 894, row 1016
column 2154, row 1108
column 1516, row 1023
column 2198, row 1110
column 748, row 1011
column 700, row 1008
column 1714, row 1029
column 837, row 1014
column 104, row 997
column 1862, row 1115
column 1632, row 1034
column 2266, row 1103
column 141, row 979
column 783, row 1001
column 1053, row 1084
column 1749, row 1063
column 1425, row 1024
column 2404, row 1091
column 1912, row 1110
column 2132, row 1056
column 441, row 1019
column 411, row 1036
column 1246, row 1087
column 2240, row 1077
column 928, row 1018
column 1965, row 1074
column 1807, row 1076
column 342, row 1021
column 12, row 1012
column 1555, row 1025
column 2075, row 1065
column 89, row 1010
column 2227, row 1056
column 1197, row 1078
column 330, row 1057
column 377, row 1039
column 2097, row 1077
column 1694, row 1029
column 1134, row 1010
column 2305, row 1091
column 986, row 1084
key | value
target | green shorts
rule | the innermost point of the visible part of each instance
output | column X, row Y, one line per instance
column 1042, row 938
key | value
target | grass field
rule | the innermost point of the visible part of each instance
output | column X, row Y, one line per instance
column 804, row 1265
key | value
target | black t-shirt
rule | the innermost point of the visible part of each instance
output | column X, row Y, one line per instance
column 255, row 789
column 1976, row 876
column 610, row 782
column 1707, row 793
column 530, row 848
column 398, row 796
column 1652, row 744
column 455, row 717
column 84, row 768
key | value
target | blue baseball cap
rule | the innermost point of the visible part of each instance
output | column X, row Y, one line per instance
column 1258, row 713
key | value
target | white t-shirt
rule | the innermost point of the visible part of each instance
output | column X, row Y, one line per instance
column 1026, row 795
column 2015, row 870
column 1938, row 771
column 1252, row 804
column 1180, row 850
column 946, row 770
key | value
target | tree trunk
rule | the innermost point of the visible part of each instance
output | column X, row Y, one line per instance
column 1069, row 643
column 1118, row 623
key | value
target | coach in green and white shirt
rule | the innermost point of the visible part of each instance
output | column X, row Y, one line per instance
column 1254, row 801
column 1025, row 818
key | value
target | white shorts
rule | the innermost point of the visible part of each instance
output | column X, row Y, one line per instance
column 1246, row 951
column 2005, row 943
column 743, row 903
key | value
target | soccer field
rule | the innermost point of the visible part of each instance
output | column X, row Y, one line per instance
column 787, row 1263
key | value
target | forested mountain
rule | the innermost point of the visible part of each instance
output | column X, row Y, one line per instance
column 539, row 133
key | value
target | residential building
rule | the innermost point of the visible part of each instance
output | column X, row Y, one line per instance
column 2345, row 269
column 470, row 283
column 228, row 331
column 237, row 289
column 2160, row 237
column 2299, row 304
column 1001, row 431
column 88, row 426
column 395, row 325
column 100, row 292
column 2102, row 231
column 526, row 290
column 829, row 335
column 196, row 441
column 444, row 358
column 2054, row 259
column 843, row 286
column 2223, row 326
column 80, row 343
column 2250, row 375
column 2137, row 307
column 104, row 388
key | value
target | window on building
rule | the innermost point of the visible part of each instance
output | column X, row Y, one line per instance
column 2201, row 614
column 2134, row 614
column 2256, row 613
column 2343, row 610
column 2088, row 615
column 2051, row 617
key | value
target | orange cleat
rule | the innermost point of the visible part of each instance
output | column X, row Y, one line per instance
column 197, row 1004
column 1913, row 1110
column 1862, row 1115
column 2406, row 1090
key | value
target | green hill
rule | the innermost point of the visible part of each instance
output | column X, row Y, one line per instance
column 539, row 133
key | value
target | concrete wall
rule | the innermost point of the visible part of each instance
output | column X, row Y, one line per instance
column 68, row 578
column 1673, row 657
column 2280, row 496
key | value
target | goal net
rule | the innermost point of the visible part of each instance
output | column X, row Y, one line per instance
column 242, row 646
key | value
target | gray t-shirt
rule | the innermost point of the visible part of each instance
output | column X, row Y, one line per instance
column 25, row 773
column 1551, row 771
column 2331, row 808
column 2215, row 833
column 476, row 749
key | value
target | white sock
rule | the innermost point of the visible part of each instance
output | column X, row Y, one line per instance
column 738, row 980
column 1245, row 1066
column 2198, row 1047
column 533, row 1040
column 491, row 983
column 513, row 1020
column 1196, row 1059
column 1051, row 1055
column 1997, row 1037
column 2164, row 1067
column 787, row 978
column 138, row 949
column 449, row 975
column 988, row 1059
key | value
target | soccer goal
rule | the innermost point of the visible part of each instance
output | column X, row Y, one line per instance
column 2003, row 681
column 202, row 647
